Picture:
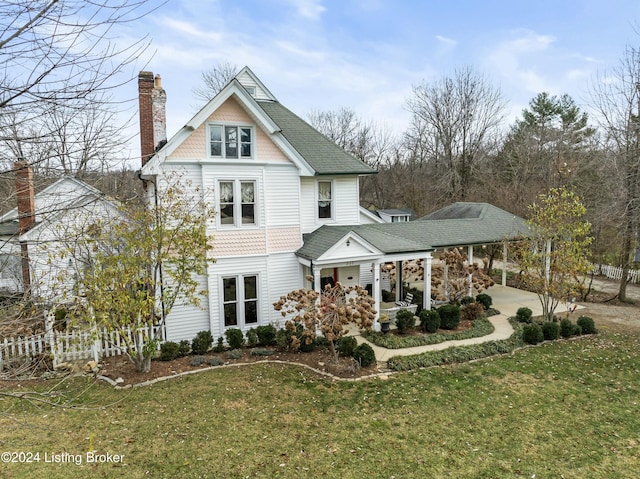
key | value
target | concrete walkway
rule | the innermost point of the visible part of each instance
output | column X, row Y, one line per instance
column 505, row 299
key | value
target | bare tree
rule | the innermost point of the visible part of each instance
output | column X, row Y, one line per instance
column 367, row 141
column 616, row 98
column 214, row 80
column 454, row 126
column 59, row 60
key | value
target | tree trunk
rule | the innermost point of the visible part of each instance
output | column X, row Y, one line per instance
column 626, row 253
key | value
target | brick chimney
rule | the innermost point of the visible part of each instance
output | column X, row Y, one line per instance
column 153, row 118
column 25, row 195
column 26, row 213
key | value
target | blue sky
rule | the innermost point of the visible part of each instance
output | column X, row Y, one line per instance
column 367, row 54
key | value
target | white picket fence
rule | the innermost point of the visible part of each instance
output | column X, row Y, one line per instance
column 64, row 346
column 615, row 272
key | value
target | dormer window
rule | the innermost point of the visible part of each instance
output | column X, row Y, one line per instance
column 230, row 141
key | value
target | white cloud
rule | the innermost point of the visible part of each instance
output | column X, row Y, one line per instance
column 446, row 40
column 311, row 9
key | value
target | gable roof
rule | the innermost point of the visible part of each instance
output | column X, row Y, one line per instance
column 312, row 152
column 53, row 201
column 322, row 154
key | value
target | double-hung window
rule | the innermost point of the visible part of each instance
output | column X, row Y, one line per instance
column 230, row 141
column 237, row 202
column 325, row 200
column 240, row 300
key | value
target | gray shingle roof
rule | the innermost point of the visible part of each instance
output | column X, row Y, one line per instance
column 322, row 154
column 487, row 224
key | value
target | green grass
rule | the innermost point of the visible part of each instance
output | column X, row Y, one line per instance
column 563, row 409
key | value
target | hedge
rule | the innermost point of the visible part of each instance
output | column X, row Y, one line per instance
column 459, row 354
column 481, row 327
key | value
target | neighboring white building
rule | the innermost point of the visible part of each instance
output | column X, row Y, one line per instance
column 42, row 228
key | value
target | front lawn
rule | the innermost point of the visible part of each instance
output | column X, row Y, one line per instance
column 563, row 409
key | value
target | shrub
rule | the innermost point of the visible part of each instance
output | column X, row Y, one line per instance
column 467, row 300
column 364, row 355
column 532, row 333
column 429, row 320
column 169, row 351
column 266, row 335
column 550, row 330
column 219, row 348
column 471, row 311
column 234, row 354
column 577, row 330
column 449, row 316
column 587, row 325
column 566, row 328
column 523, row 315
column 215, row 362
column 235, row 338
column 202, row 342
column 283, row 339
column 252, row 337
column 405, row 320
column 262, row 352
column 198, row 360
column 485, row 300
column 346, row 346
column 184, row 348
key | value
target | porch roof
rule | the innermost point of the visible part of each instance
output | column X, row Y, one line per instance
column 386, row 240
column 466, row 224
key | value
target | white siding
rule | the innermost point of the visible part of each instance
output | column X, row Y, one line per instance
column 282, row 196
column 285, row 275
column 346, row 204
column 185, row 320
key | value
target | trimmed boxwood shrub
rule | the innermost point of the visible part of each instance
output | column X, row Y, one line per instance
column 201, row 343
column 252, row 338
column 169, row 351
column 347, row 345
column 219, row 347
column 485, row 300
column 429, row 320
column 467, row 300
column 587, row 324
column 405, row 320
column 523, row 315
column 266, row 335
column 550, row 330
column 532, row 333
column 365, row 355
column 566, row 328
column 235, row 338
column 184, row 348
column 449, row 316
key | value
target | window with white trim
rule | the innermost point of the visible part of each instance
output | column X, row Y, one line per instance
column 325, row 200
column 240, row 300
column 237, row 202
column 227, row 141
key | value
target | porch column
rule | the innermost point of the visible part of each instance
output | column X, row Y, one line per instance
column 399, row 281
column 426, row 296
column 504, row 263
column 316, row 279
column 377, row 294
column 470, row 255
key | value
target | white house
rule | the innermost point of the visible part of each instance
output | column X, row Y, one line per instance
column 288, row 206
column 35, row 235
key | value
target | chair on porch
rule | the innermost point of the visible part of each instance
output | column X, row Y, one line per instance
column 408, row 301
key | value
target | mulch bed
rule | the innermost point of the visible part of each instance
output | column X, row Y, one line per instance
column 319, row 359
